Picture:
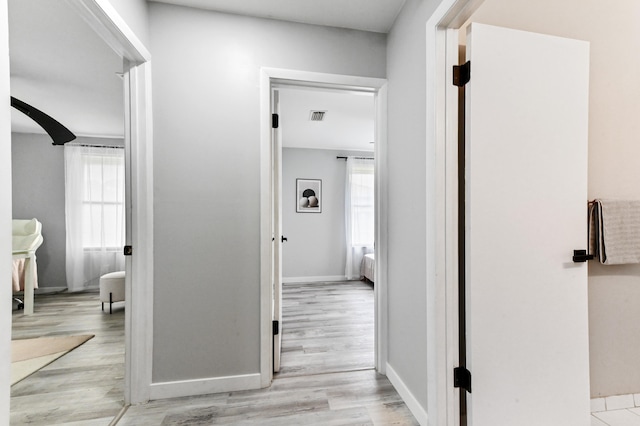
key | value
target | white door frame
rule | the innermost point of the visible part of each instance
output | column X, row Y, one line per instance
column 108, row 24
column 5, row 216
column 103, row 18
column 442, row 141
column 269, row 77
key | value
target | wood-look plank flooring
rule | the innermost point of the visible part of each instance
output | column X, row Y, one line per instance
column 347, row 398
column 83, row 387
column 327, row 327
column 327, row 330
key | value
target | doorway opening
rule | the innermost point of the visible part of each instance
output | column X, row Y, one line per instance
column 273, row 239
column 133, row 93
column 468, row 249
column 87, row 96
column 326, row 201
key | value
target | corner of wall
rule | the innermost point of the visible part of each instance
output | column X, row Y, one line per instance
column 418, row 411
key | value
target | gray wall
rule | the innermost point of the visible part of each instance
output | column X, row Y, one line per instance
column 38, row 191
column 135, row 14
column 410, row 170
column 316, row 242
column 207, row 175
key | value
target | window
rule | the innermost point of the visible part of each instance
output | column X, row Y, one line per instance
column 362, row 202
column 102, row 201
column 359, row 213
column 94, row 213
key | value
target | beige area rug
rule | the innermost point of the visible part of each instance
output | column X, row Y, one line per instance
column 30, row 355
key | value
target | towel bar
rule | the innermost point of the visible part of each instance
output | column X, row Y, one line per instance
column 580, row 256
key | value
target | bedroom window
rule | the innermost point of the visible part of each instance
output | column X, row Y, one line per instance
column 103, row 201
column 359, row 213
column 362, row 202
column 95, row 213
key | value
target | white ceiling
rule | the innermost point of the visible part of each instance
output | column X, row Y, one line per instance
column 348, row 123
column 365, row 15
column 60, row 66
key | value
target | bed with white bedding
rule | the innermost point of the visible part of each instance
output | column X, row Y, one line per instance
column 367, row 269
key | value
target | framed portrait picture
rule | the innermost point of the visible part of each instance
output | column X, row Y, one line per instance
column 309, row 195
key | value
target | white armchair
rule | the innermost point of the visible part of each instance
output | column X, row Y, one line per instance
column 27, row 237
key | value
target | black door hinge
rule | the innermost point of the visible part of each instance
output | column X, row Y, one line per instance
column 275, row 120
column 461, row 74
column 276, row 328
column 462, row 378
column 128, row 250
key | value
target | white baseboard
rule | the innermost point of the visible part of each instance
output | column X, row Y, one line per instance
column 195, row 387
column 45, row 290
column 329, row 278
column 414, row 406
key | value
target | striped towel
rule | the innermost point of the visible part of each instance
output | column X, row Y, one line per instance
column 614, row 231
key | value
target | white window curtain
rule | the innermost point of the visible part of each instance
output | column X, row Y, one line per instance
column 359, row 213
column 95, row 214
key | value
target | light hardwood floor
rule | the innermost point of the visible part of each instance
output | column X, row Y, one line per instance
column 328, row 330
column 327, row 327
column 327, row 375
column 348, row 398
column 85, row 386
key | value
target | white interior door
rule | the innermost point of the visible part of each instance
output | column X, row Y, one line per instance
column 526, row 198
column 276, row 147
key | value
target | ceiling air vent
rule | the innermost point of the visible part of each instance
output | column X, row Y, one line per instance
column 317, row 115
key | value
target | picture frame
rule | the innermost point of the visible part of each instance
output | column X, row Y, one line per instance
column 308, row 195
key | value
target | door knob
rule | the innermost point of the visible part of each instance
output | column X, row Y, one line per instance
column 283, row 239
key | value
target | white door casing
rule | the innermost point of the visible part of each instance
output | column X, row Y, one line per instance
column 277, row 232
column 269, row 78
column 5, row 216
column 442, row 203
column 526, row 195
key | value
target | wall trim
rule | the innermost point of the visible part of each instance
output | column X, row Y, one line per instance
column 319, row 279
column 47, row 290
column 104, row 19
column 442, row 257
column 381, row 213
column 5, row 217
column 412, row 402
column 182, row 388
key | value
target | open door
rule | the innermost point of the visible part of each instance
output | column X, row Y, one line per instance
column 278, row 239
column 525, row 212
